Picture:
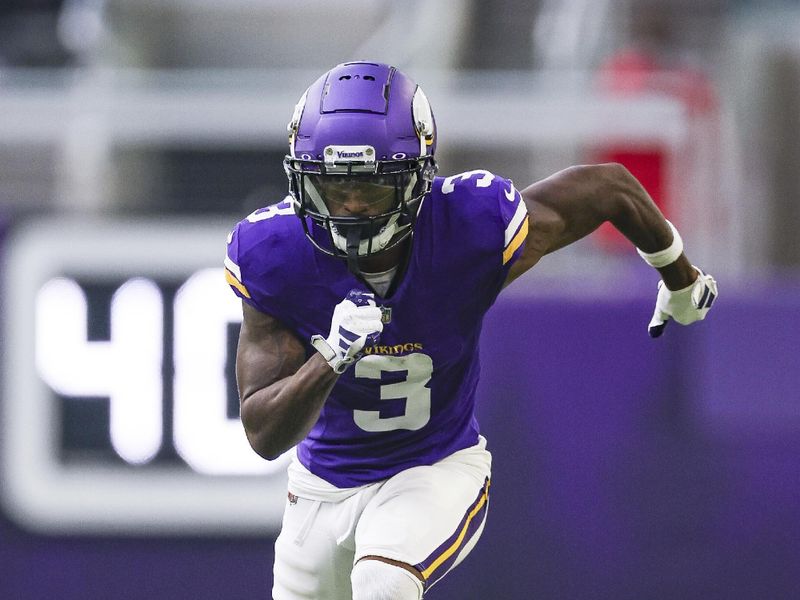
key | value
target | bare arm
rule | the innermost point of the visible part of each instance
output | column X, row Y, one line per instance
column 574, row 202
column 281, row 393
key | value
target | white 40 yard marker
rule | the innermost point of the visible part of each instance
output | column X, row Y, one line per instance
column 165, row 381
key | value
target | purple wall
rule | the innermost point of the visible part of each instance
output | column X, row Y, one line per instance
column 625, row 467
column 611, row 479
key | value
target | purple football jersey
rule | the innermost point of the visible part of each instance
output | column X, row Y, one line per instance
column 410, row 400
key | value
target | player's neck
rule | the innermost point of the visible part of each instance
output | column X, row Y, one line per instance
column 386, row 260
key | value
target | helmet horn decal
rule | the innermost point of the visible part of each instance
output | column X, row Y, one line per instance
column 294, row 124
column 423, row 120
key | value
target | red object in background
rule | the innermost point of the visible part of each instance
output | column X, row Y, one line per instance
column 633, row 72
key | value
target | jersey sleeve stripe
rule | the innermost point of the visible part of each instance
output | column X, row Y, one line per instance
column 516, row 241
column 233, row 268
column 446, row 554
column 235, row 283
column 513, row 225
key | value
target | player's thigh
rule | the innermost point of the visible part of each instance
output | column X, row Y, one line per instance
column 429, row 517
column 310, row 564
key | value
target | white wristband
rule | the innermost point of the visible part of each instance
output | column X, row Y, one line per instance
column 667, row 256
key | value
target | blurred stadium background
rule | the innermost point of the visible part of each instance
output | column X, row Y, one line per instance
column 134, row 134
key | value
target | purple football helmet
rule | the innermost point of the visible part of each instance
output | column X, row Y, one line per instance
column 361, row 141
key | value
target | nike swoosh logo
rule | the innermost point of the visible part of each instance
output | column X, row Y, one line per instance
column 511, row 193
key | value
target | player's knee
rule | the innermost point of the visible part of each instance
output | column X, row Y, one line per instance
column 377, row 580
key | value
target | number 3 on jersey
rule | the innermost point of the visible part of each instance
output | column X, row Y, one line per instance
column 484, row 180
column 418, row 368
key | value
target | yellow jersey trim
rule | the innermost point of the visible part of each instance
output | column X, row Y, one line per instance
column 233, row 282
column 516, row 241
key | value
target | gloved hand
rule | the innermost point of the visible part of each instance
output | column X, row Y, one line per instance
column 685, row 306
column 356, row 322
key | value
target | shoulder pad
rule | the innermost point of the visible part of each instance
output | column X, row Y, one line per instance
column 259, row 250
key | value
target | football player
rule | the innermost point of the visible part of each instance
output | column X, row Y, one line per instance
column 363, row 295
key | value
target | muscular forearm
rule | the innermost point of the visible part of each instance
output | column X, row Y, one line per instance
column 277, row 417
column 637, row 217
column 574, row 202
column 282, row 393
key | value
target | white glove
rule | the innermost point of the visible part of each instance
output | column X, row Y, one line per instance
column 685, row 306
column 356, row 322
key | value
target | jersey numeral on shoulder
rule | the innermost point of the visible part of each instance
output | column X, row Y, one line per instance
column 282, row 208
column 418, row 368
column 485, row 180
